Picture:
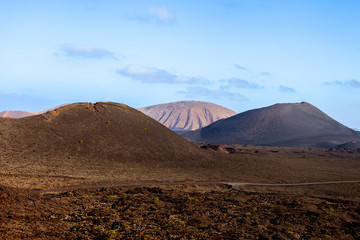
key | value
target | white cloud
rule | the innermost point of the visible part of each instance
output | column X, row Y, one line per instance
column 153, row 14
column 83, row 51
column 286, row 89
column 239, row 83
column 239, row 67
column 266, row 73
column 193, row 92
column 162, row 14
column 154, row 75
column 354, row 83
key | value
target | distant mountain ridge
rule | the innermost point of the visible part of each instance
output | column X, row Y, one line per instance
column 16, row 114
column 187, row 115
column 289, row 124
column 21, row 114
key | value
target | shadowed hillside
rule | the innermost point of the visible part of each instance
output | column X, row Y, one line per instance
column 111, row 143
column 97, row 142
column 349, row 145
column 96, row 130
column 294, row 124
column 187, row 115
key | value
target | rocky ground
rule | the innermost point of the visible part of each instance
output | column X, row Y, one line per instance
column 174, row 212
column 44, row 153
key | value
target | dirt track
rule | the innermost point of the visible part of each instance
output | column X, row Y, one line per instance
column 237, row 185
column 234, row 185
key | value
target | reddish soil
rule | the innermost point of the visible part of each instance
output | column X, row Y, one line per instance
column 109, row 144
column 176, row 212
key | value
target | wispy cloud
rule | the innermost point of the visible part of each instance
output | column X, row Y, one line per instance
column 193, row 92
column 239, row 83
column 153, row 14
column 162, row 14
column 229, row 5
column 286, row 89
column 239, row 67
column 265, row 73
column 354, row 83
column 155, row 75
column 83, row 51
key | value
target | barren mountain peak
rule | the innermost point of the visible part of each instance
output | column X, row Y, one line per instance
column 285, row 124
column 105, row 129
column 187, row 115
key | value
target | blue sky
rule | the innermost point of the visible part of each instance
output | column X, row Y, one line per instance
column 239, row 54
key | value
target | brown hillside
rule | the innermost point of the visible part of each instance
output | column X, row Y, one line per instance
column 110, row 143
column 102, row 142
column 187, row 115
column 96, row 130
column 293, row 124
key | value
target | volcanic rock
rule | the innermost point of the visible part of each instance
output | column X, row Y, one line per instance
column 101, row 130
column 349, row 145
column 290, row 124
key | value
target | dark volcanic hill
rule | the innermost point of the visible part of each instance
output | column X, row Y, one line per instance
column 105, row 130
column 292, row 124
column 108, row 143
column 349, row 145
column 187, row 115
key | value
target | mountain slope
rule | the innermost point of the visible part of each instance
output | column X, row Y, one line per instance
column 103, row 142
column 187, row 115
column 106, row 130
column 293, row 124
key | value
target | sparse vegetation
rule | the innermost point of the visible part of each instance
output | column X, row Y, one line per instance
column 126, row 213
column 37, row 161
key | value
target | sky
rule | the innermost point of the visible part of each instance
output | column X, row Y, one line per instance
column 241, row 54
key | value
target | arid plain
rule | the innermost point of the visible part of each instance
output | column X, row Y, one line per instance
column 107, row 171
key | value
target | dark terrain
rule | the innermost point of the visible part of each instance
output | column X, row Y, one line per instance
column 286, row 125
column 177, row 212
column 105, row 143
column 170, row 188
